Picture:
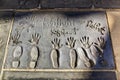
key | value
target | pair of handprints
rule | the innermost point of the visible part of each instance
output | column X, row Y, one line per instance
column 90, row 52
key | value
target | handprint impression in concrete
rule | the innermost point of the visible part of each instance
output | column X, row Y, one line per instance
column 89, row 52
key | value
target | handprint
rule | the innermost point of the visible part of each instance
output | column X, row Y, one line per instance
column 70, row 42
column 56, row 43
column 73, row 55
column 101, row 42
column 35, row 39
column 55, row 54
column 100, row 46
column 15, row 38
column 85, row 42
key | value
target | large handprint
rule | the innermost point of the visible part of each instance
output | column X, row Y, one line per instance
column 35, row 39
column 85, row 42
column 100, row 45
column 70, row 42
column 56, row 43
column 15, row 38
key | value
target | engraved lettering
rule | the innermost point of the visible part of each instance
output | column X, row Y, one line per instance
column 58, row 22
column 96, row 26
column 64, row 32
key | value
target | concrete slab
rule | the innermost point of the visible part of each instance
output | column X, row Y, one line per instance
column 37, row 38
column 61, row 76
column 61, row 26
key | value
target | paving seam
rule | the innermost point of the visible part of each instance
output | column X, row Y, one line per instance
column 6, row 48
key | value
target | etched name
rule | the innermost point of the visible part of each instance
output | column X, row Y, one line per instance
column 96, row 26
column 58, row 22
column 64, row 32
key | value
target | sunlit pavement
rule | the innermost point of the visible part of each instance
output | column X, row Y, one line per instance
column 114, row 24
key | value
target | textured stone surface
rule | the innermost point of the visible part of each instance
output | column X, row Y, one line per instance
column 35, row 4
column 19, row 4
column 31, row 4
column 50, row 32
column 113, row 20
column 107, row 3
column 66, row 3
column 38, row 30
column 60, row 76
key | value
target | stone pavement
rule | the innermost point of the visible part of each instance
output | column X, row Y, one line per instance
column 43, row 4
column 25, row 22
column 114, row 21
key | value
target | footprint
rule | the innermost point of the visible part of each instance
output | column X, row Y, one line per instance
column 17, row 55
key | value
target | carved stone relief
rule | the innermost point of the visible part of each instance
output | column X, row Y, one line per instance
column 60, row 40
